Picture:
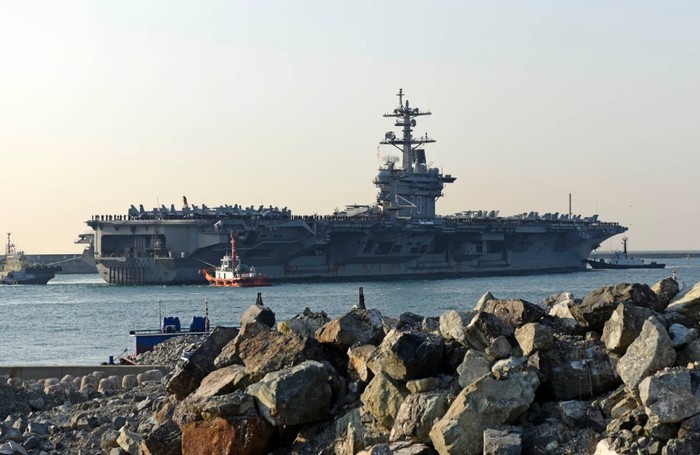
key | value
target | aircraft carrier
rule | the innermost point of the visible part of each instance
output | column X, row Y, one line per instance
column 399, row 236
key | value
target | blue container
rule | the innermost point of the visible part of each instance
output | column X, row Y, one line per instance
column 198, row 324
column 171, row 324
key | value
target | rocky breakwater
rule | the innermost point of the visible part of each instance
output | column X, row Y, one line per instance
column 613, row 373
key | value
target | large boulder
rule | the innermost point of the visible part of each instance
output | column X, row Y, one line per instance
column 598, row 305
column 272, row 351
column 687, row 302
column 484, row 329
column 624, row 325
column 356, row 327
column 453, row 324
column 416, row 416
column 304, row 324
column 219, row 382
column 408, row 355
column 665, row 291
column 475, row 366
column 503, row 441
column 243, row 435
column 485, row 404
column 294, row 395
column 514, row 312
column 534, row 336
column 578, row 369
column 557, row 306
column 669, row 396
column 229, row 354
column 383, row 397
column 258, row 313
column 358, row 362
column 186, row 378
column 650, row 352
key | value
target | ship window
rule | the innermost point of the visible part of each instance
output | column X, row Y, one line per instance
column 396, row 249
column 422, row 249
column 479, row 248
column 368, row 246
column 414, row 250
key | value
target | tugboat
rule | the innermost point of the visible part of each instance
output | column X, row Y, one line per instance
column 231, row 273
column 621, row 260
column 15, row 269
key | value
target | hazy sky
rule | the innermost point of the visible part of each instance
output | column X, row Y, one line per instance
column 105, row 104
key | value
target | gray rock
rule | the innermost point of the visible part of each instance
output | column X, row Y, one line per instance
column 504, row 367
column 416, row 416
column 410, row 448
column 278, row 394
column 12, row 448
column 483, row 299
column 355, row 327
column 408, row 355
column 229, row 354
column 258, row 313
column 186, row 378
column 358, row 357
column 665, row 291
column 623, row 326
column 533, row 337
column 574, row 413
column 484, row 404
column 669, row 396
column 597, row 307
column 681, row 335
column 305, row 324
column 650, row 352
column 108, row 440
column 272, row 351
column 233, row 404
column 691, row 352
column 474, row 366
column 503, row 441
column 383, row 397
column 453, row 325
column 41, row 429
column 483, row 329
column 687, row 302
column 129, row 441
column 578, row 369
column 431, row 325
column 424, row 385
column 500, row 348
column 32, row 442
column 37, row 404
column 514, row 313
column 10, row 434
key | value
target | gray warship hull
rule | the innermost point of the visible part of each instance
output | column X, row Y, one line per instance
column 174, row 251
column 400, row 236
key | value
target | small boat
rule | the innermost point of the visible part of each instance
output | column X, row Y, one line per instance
column 146, row 339
column 231, row 273
column 621, row 260
column 15, row 269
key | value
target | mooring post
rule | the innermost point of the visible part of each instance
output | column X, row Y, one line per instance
column 361, row 303
column 259, row 301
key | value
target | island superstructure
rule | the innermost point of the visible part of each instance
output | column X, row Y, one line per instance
column 400, row 236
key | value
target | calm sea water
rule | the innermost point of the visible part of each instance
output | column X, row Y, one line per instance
column 79, row 319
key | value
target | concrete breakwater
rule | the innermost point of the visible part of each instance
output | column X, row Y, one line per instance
column 617, row 371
